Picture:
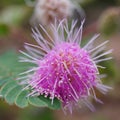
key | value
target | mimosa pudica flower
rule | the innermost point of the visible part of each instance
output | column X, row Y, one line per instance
column 63, row 69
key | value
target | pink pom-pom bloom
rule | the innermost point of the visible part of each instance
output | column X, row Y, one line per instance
column 64, row 70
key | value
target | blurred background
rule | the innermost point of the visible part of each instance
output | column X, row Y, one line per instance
column 102, row 16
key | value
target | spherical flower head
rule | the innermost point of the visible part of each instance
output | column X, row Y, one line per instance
column 65, row 70
column 47, row 10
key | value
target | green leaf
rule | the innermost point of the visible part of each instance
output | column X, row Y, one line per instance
column 10, row 67
column 56, row 103
column 3, row 81
column 8, row 63
column 35, row 101
column 7, row 87
column 12, row 94
column 22, row 99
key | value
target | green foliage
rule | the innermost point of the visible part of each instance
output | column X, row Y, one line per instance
column 13, row 92
column 14, row 15
column 55, row 104
column 22, row 100
column 4, row 29
column 37, row 102
column 110, row 71
column 109, row 26
column 11, row 2
column 109, row 21
column 7, row 87
column 85, row 3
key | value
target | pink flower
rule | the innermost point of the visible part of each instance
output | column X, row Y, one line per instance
column 64, row 70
